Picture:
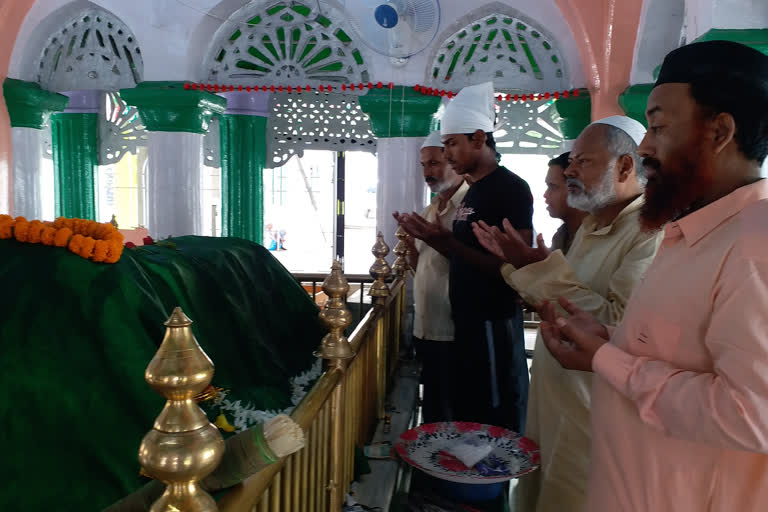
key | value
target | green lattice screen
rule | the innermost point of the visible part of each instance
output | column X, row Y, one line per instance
column 287, row 43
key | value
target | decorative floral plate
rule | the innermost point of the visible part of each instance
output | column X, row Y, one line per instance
column 425, row 447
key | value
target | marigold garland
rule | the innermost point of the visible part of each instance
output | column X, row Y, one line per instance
column 96, row 241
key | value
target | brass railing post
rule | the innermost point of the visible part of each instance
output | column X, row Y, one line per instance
column 335, row 349
column 380, row 271
column 183, row 447
column 401, row 265
column 336, row 316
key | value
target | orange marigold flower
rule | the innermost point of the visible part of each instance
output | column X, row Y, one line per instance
column 78, row 226
column 35, row 230
column 95, row 229
column 76, row 244
column 86, row 238
column 48, row 235
column 100, row 250
column 107, row 231
column 62, row 237
column 114, row 252
column 87, row 245
column 21, row 229
column 6, row 228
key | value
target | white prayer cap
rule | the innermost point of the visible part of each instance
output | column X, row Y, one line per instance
column 626, row 124
column 471, row 110
column 433, row 140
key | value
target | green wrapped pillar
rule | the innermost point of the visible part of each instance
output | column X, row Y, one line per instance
column 575, row 113
column 75, row 145
column 400, row 118
column 243, row 131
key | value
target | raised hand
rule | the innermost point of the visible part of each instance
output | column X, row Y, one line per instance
column 577, row 317
column 432, row 233
column 508, row 244
column 487, row 236
column 572, row 341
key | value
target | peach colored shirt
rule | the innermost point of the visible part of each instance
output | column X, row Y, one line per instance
column 680, row 408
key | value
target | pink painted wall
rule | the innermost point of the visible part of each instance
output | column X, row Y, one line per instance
column 12, row 13
column 605, row 31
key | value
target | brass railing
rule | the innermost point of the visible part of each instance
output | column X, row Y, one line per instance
column 359, row 286
column 342, row 408
column 340, row 411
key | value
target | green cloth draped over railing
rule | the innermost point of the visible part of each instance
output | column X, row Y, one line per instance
column 76, row 337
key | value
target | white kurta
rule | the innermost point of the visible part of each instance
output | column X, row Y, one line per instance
column 598, row 275
column 432, row 308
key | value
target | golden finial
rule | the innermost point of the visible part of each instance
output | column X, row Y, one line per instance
column 183, row 446
column 380, row 270
column 335, row 316
column 401, row 266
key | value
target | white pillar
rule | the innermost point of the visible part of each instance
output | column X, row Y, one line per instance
column 5, row 189
column 401, row 182
column 173, row 184
column 27, row 179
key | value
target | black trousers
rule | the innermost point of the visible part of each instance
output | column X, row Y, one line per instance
column 436, row 358
column 490, row 372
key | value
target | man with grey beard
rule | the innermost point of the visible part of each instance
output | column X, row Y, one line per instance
column 432, row 322
column 608, row 256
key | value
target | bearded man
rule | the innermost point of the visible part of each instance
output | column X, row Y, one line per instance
column 432, row 322
column 680, row 401
column 606, row 260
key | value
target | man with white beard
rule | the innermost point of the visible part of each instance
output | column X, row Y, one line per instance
column 432, row 323
column 608, row 256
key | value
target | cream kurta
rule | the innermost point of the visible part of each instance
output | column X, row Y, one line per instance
column 432, row 307
column 681, row 392
column 598, row 275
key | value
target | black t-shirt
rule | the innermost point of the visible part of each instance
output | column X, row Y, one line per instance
column 501, row 195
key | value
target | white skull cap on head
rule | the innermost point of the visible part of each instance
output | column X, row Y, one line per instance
column 633, row 128
column 433, row 140
column 471, row 110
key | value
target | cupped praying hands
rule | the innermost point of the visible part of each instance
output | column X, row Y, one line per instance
column 573, row 341
column 508, row 244
column 431, row 233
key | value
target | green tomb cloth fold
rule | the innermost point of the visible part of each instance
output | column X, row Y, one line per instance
column 76, row 337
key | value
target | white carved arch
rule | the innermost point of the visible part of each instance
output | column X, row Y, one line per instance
column 299, row 42
column 498, row 43
column 92, row 49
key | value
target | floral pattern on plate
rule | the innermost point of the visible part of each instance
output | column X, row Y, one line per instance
column 426, row 448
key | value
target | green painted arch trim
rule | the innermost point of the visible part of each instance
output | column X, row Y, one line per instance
column 400, row 112
column 168, row 107
column 575, row 113
column 29, row 105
